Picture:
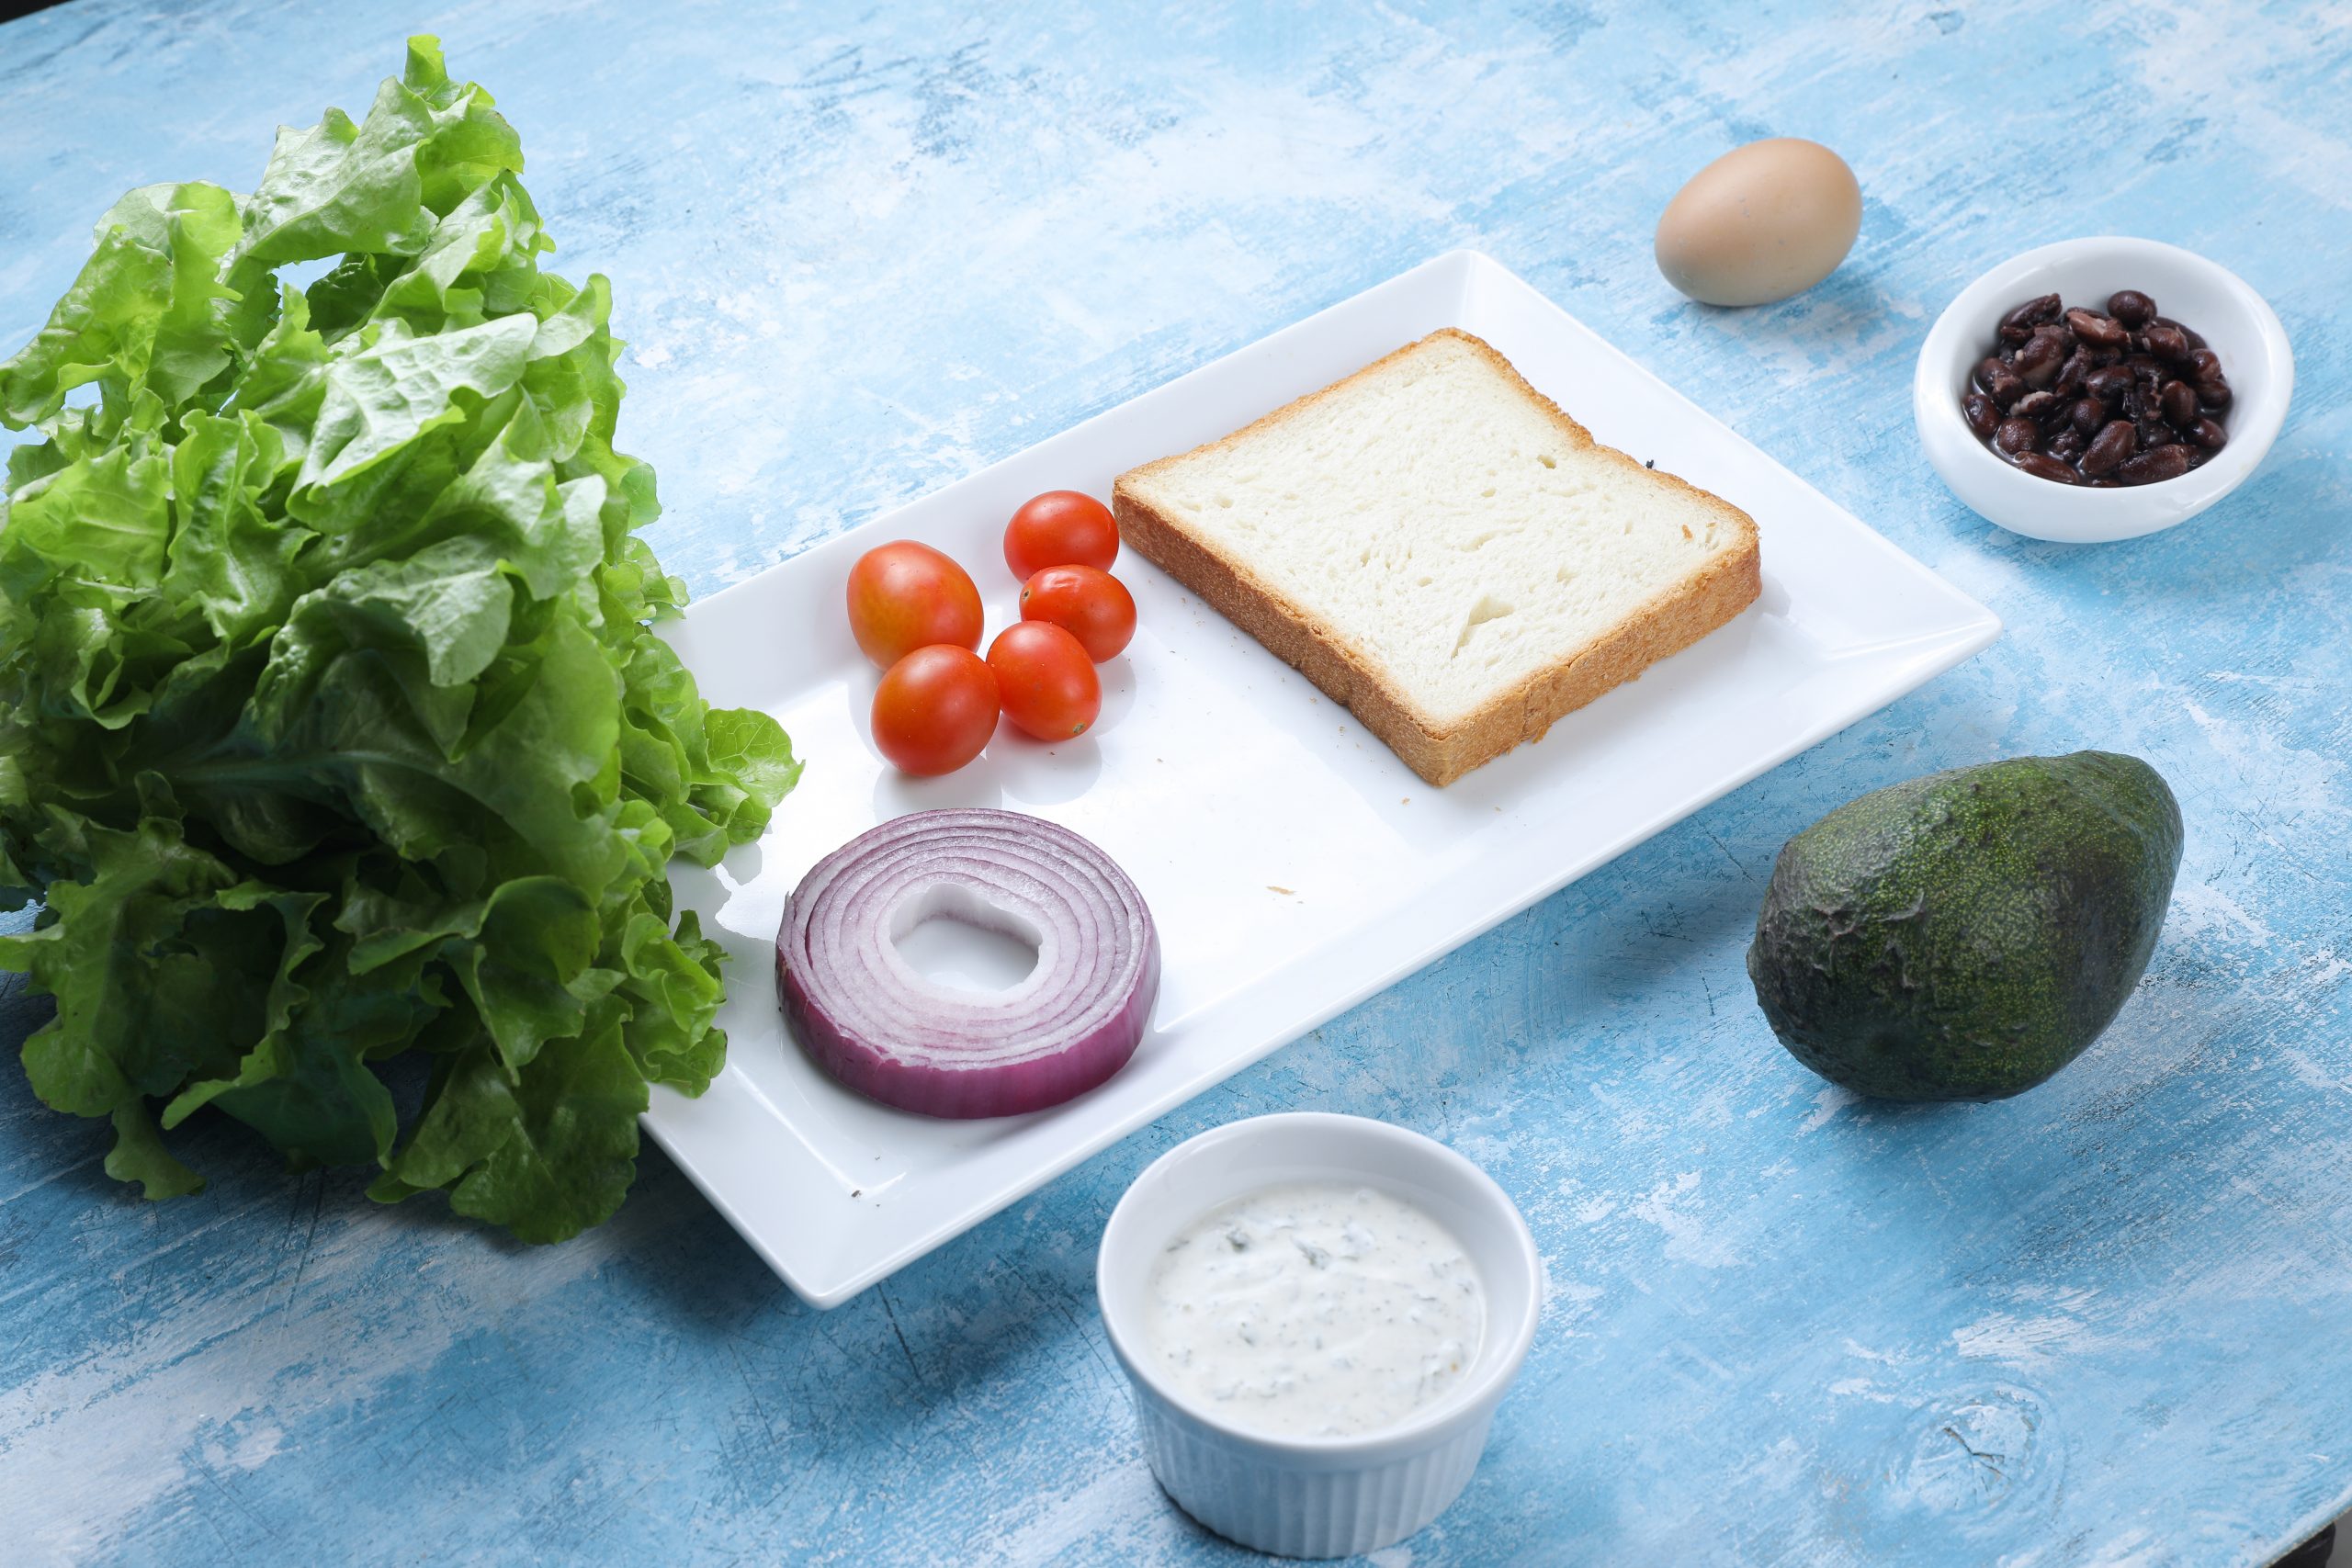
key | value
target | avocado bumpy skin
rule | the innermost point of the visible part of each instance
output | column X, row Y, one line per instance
column 1964, row 935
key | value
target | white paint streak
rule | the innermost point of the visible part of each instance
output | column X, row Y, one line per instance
column 1051, row 1525
column 1826, row 1106
column 1671, row 1207
column 1863, row 1388
column 2203, row 912
column 2016, row 1340
column 2027, row 1340
column 106, row 1441
column 2314, row 1075
column 2199, row 56
column 2135, row 1548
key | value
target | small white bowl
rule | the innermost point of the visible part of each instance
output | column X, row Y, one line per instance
column 2235, row 322
column 1319, row 1497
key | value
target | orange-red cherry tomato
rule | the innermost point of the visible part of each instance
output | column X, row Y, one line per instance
column 934, row 710
column 904, row 596
column 1044, row 680
column 1091, row 606
column 1061, row 527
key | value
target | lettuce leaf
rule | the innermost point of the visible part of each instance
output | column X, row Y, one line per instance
column 333, row 728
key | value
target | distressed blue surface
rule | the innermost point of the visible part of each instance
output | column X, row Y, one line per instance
column 861, row 253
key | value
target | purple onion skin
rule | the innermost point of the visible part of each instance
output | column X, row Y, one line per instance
column 961, row 1094
column 990, row 1090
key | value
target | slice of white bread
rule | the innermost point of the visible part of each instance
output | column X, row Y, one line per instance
column 1436, row 546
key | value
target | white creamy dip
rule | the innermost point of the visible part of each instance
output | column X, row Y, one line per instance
column 1315, row 1309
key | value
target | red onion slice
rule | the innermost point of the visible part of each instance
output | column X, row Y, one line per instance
column 881, row 1027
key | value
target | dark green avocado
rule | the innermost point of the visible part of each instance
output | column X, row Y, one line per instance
column 1964, row 935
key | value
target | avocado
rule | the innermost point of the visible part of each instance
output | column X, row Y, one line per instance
column 1964, row 935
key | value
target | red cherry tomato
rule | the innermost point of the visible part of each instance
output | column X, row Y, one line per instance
column 1092, row 606
column 904, row 596
column 1046, row 681
column 935, row 709
column 1061, row 527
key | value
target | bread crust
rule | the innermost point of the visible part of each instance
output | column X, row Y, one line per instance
column 1665, row 624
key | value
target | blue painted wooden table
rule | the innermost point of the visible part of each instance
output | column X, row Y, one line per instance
column 861, row 252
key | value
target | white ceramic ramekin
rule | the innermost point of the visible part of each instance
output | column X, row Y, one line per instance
column 1319, row 1497
column 2235, row 322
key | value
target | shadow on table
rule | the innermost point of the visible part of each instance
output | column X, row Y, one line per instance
column 2286, row 517
column 67, row 1154
column 1005, row 1294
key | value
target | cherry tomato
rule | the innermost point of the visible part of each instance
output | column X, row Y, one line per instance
column 1061, row 527
column 1046, row 681
column 904, row 596
column 1092, row 606
column 935, row 709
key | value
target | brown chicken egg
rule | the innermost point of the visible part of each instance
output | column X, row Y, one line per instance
column 1760, row 223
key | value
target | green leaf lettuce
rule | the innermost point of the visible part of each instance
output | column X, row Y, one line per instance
column 333, row 728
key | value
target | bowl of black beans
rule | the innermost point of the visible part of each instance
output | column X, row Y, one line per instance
column 2101, row 388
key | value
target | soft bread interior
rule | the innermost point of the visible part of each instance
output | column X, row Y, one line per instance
column 1447, row 524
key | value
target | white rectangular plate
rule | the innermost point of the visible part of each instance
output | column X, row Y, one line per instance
column 1294, row 866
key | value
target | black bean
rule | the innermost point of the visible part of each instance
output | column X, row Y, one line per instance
column 2179, row 404
column 2078, row 397
column 2044, row 467
column 2149, row 468
column 2016, row 436
column 2036, row 363
column 2115, row 442
column 2073, row 374
column 2108, row 382
column 1998, row 382
column 2019, row 324
column 1982, row 416
column 2093, row 328
column 2034, row 406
